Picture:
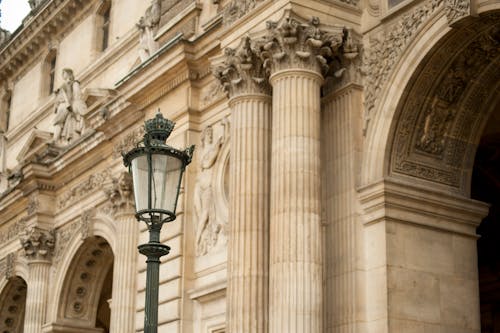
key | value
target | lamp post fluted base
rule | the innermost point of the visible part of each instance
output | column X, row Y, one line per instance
column 153, row 251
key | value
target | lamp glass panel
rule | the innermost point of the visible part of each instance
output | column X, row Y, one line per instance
column 139, row 168
column 165, row 181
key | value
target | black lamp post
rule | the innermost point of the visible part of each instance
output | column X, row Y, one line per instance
column 157, row 171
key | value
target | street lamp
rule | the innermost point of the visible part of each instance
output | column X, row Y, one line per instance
column 157, row 171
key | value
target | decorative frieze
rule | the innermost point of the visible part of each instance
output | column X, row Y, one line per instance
column 38, row 243
column 94, row 182
column 12, row 231
column 66, row 233
column 237, row 8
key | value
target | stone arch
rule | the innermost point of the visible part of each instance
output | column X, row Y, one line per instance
column 87, row 278
column 91, row 225
column 404, row 106
column 12, row 305
column 444, row 108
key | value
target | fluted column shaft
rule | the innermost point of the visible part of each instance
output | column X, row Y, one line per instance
column 248, row 249
column 295, row 231
column 124, row 273
column 36, row 296
column 341, row 134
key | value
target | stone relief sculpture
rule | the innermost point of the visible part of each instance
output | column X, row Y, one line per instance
column 147, row 26
column 69, row 110
column 210, row 229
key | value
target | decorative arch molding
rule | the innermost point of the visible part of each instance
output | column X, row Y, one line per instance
column 444, row 108
column 427, row 53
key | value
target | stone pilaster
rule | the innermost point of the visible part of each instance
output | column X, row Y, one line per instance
column 341, row 121
column 120, row 194
column 243, row 77
column 297, row 54
column 38, row 245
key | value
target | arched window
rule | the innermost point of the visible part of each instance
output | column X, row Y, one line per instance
column 105, row 28
column 52, row 73
column 103, row 23
column 48, row 73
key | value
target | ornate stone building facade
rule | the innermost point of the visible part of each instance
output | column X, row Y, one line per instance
column 347, row 160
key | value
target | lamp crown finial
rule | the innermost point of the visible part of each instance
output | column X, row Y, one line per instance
column 159, row 128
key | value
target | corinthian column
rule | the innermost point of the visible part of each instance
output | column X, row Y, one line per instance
column 38, row 245
column 248, row 252
column 124, row 268
column 297, row 54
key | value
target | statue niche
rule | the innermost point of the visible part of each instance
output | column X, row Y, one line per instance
column 211, row 222
column 69, row 109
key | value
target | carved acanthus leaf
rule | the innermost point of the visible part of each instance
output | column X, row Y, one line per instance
column 38, row 243
column 242, row 71
column 238, row 8
column 292, row 43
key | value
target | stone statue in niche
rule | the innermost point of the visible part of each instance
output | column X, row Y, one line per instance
column 147, row 26
column 69, row 110
column 210, row 229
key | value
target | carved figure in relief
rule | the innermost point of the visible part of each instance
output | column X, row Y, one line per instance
column 147, row 26
column 69, row 109
column 208, row 229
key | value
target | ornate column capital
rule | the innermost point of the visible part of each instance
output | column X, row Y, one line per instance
column 293, row 43
column 121, row 194
column 240, row 71
column 38, row 243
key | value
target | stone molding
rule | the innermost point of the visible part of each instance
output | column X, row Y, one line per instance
column 405, row 202
column 12, row 231
column 237, row 9
column 128, row 142
column 38, row 243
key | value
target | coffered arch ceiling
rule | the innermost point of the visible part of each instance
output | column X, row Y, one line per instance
column 12, row 306
column 446, row 105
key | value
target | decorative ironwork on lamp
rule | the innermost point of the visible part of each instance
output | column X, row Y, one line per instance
column 157, row 170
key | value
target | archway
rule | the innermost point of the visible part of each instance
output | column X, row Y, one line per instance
column 87, row 289
column 486, row 187
column 12, row 306
column 421, row 212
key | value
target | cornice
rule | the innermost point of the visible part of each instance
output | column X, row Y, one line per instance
column 37, row 30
